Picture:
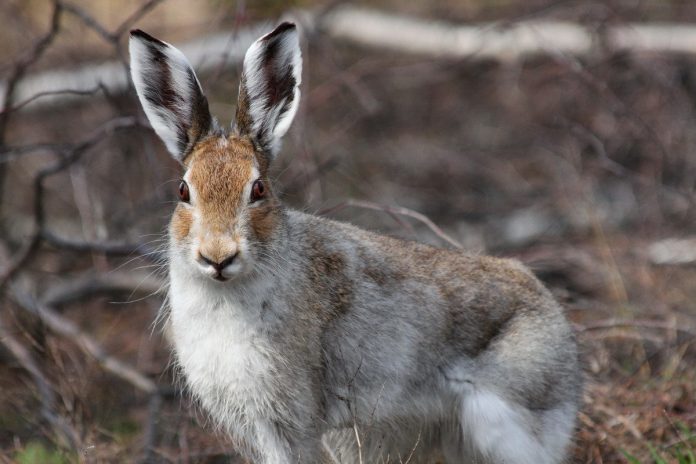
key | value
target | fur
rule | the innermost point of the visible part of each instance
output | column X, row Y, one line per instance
column 323, row 343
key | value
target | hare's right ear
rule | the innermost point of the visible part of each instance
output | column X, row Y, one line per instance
column 169, row 93
column 269, row 91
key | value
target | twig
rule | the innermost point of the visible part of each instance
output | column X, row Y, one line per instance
column 626, row 421
column 107, row 248
column 113, row 283
column 72, row 156
column 69, row 330
column 154, row 407
column 357, row 439
column 51, row 93
column 400, row 210
column 641, row 323
column 135, row 16
column 19, row 259
column 16, row 75
column 88, row 20
column 13, row 152
column 680, row 435
column 95, row 25
column 413, row 450
column 21, row 66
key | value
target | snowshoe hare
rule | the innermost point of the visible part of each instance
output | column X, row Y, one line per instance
column 308, row 340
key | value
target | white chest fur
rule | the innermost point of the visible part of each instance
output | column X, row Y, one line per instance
column 227, row 361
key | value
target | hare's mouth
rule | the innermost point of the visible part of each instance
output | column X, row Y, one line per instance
column 220, row 278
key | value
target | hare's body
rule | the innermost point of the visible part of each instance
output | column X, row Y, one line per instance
column 311, row 341
column 356, row 329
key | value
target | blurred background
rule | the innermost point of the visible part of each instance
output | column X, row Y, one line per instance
column 562, row 133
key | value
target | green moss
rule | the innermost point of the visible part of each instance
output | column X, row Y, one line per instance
column 37, row 453
column 123, row 428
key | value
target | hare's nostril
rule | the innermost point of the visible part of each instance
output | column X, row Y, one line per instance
column 205, row 260
column 218, row 266
column 227, row 261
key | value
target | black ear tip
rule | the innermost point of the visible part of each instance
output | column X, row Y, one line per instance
column 280, row 29
column 285, row 25
column 140, row 34
column 137, row 33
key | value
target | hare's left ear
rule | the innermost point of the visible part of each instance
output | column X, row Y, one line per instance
column 269, row 91
column 169, row 92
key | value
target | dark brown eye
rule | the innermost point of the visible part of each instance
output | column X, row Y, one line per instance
column 258, row 190
column 184, row 192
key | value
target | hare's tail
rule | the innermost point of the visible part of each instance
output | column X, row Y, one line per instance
column 518, row 400
column 500, row 430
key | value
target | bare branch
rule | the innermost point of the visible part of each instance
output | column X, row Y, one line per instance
column 69, row 330
column 88, row 20
column 394, row 210
column 107, row 248
column 16, row 75
column 135, row 16
column 95, row 25
column 113, row 283
column 32, row 244
column 21, row 66
column 53, row 93
column 19, row 259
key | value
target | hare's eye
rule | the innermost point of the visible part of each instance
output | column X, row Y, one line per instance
column 184, row 192
column 258, row 190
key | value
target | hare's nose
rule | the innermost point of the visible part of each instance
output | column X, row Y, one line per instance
column 218, row 266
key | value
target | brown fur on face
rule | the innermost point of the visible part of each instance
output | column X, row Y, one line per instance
column 181, row 223
column 263, row 220
column 219, row 169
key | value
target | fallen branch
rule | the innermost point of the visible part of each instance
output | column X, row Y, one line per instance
column 672, row 251
column 500, row 41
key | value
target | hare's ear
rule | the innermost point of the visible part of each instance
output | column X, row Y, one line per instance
column 169, row 92
column 269, row 91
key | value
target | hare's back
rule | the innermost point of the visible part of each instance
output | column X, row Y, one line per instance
column 450, row 302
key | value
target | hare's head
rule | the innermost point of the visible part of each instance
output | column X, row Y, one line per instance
column 227, row 212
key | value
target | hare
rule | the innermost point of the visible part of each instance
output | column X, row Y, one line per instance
column 313, row 341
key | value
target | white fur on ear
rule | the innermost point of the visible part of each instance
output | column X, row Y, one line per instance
column 169, row 92
column 269, row 93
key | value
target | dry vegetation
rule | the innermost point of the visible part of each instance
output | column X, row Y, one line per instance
column 580, row 167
